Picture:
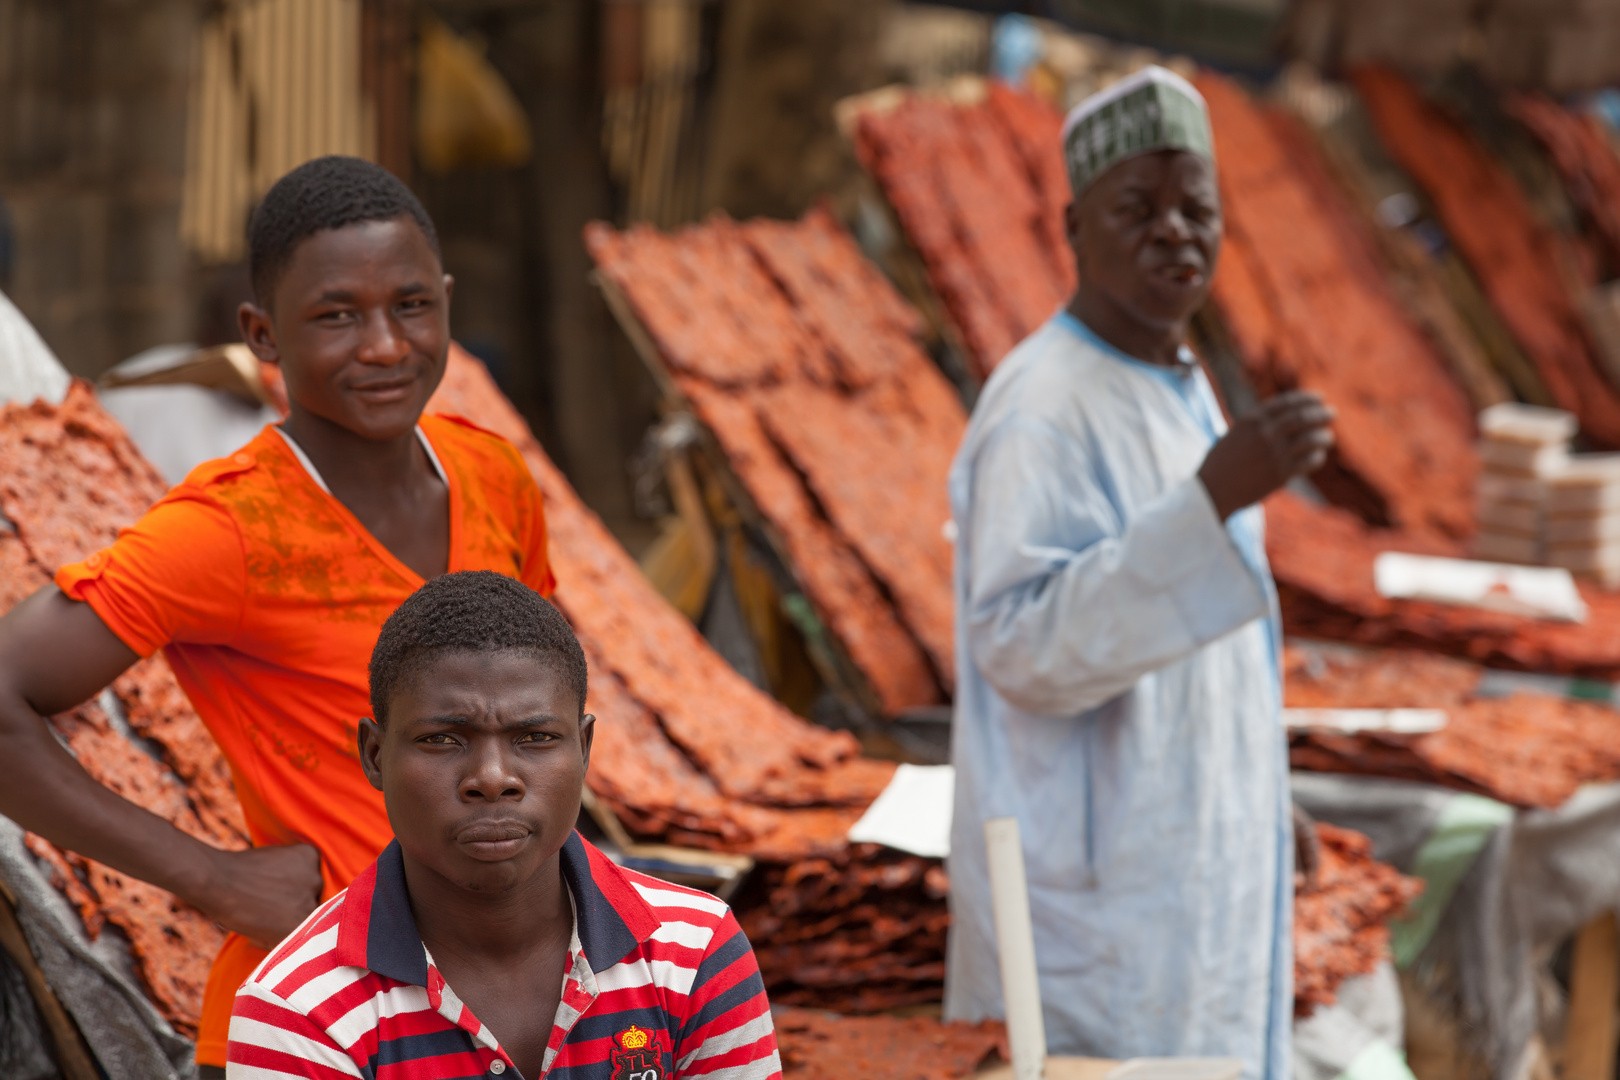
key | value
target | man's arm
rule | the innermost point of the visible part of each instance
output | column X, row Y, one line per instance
column 1067, row 607
column 56, row 653
column 271, row 1038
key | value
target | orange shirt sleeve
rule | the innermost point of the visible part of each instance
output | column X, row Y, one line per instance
column 177, row 574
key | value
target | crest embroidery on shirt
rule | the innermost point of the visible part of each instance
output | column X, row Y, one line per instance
column 636, row 1055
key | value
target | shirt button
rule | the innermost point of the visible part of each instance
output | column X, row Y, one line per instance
column 497, row 1066
column 242, row 459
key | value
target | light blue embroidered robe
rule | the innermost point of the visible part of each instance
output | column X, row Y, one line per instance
column 1118, row 693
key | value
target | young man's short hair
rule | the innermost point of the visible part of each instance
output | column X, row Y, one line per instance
column 326, row 193
column 471, row 611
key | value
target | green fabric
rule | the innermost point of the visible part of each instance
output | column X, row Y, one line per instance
column 1591, row 690
column 1378, row 1061
column 1154, row 109
column 1460, row 833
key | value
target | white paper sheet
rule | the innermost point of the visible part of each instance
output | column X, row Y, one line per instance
column 913, row 813
column 1350, row 721
column 1538, row 591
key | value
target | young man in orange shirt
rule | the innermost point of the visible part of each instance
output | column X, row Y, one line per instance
column 266, row 576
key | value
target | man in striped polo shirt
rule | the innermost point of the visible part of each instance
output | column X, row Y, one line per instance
column 490, row 939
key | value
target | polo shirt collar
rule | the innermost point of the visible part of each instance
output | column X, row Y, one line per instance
column 376, row 929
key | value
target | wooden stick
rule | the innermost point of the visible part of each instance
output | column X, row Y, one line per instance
column 1015, row 941
column 1594, row 990
column 72, row 1055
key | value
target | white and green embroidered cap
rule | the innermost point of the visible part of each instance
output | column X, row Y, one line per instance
column 1154, row 109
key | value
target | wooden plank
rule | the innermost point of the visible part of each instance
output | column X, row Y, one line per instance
column 1058, row 1068
column 1594, row 992
column 73, row 1057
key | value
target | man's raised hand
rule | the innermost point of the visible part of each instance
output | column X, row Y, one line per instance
column 1290, row 435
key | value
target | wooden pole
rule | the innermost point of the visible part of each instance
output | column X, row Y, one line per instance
column 72, row 1055
column 1015, row 941
column 1594, row 991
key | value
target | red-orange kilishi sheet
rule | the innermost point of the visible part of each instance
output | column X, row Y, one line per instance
column 804, row 363
column 1516, row 258
column 1308, row 306
column 1584, row 158
column 979, row 188
column 70, row 478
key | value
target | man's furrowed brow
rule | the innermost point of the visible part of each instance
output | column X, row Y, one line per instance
column 534, row 720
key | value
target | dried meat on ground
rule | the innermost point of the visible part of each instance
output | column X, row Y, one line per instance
column 803, row 362
column 820, row 1046
column 1517, row 259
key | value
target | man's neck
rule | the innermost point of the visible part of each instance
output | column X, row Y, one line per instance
column 490, row 928
column 1151, row 344
column 351, row 465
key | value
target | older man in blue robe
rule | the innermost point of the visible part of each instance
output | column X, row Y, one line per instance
column 1117, row 634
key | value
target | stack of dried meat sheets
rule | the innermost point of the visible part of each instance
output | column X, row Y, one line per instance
column 803, row 362
column 1303, row 296
column 1527, row 749
column 1341, row 918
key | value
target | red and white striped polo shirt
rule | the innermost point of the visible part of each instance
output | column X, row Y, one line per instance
column 661, row 984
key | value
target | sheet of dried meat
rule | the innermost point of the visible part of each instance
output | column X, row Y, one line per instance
column 69, row 479
column 1304, row 299
column 1584, row 158
column 843, row 436
column 749, row 747
column 979, row 189
column 1516, row 258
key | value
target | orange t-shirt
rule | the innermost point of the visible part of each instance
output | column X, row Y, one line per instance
column 266, row 595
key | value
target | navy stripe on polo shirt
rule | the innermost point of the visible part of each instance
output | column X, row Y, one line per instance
column 661, row 984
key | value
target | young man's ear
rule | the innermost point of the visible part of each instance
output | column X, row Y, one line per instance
column 587, row 732
column 368, row 741
column 259, row 332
